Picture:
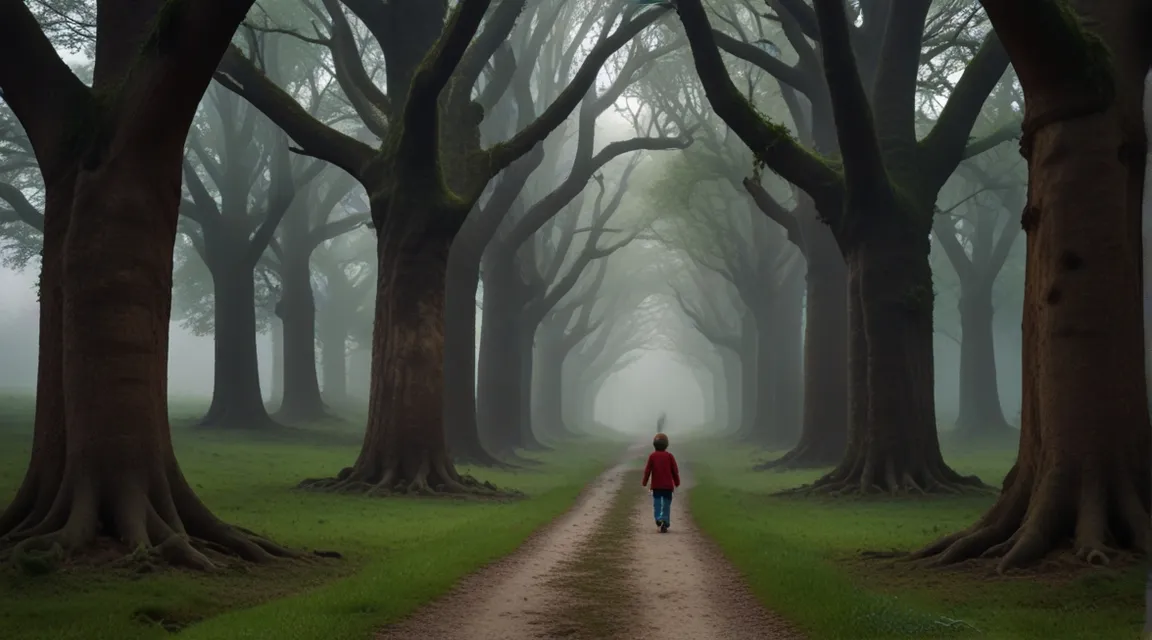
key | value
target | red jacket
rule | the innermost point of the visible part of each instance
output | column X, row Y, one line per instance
column 661, row 468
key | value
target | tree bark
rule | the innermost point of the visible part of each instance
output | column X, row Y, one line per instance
column 297, row 311
column 1082, row 474
column 237, row 401
column 892, row 445
column 405, row 448
column 981, row 416
column 825, row 424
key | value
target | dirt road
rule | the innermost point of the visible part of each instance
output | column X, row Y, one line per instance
column 602, row 571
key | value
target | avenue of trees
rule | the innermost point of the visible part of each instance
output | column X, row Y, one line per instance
column 798, row 199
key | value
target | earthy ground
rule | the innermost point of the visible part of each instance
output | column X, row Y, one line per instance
column 603, row 571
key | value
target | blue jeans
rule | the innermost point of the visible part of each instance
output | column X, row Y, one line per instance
column 662, row 505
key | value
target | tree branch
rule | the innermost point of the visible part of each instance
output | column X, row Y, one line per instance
column 21, row 209
column 771, row 143
column 775, row 212
column 502, row 155
column 992, row 140
column 945, row 146
column 335, row 228
column 239, row 75
column 367, row 99
column 548, row 206
column 864, row 171
column 39, row 87
column 419, row 140
column 496, row 30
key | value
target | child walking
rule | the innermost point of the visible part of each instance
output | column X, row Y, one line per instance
column 665, row 476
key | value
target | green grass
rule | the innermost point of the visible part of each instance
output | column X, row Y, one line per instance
column 802, row 558
column 398, row 552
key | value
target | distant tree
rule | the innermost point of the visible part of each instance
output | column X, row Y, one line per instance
column 102, row 462
column 241, row 182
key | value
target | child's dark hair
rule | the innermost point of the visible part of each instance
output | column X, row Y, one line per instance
column 660, row 442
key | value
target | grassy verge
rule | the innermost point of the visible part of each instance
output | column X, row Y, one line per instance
column 594, row 579
column 802, row 559
column 398, row 553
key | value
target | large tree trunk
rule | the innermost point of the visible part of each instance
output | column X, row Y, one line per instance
column 499, row 382
column 1081, row 477
column 892, row 444
column 297, row 310
column 981, row 416
column 404, row 448
column 103, row 464
column 460, row 424
column 825, row 427
column 237, row 402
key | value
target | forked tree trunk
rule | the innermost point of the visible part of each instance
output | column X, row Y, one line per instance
column 404, row 448
column 297, row 310
column 825, row 428
column 1083, row 468
column 981, row 416
column 892, row 445
column 237, row 401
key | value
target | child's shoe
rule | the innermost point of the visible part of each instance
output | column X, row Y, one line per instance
column 663, row 527
column 660, row 524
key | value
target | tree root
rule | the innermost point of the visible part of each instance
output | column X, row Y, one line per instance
column 443, row 481
column 171, row 528
column 864, row 477
column 802, row 457
column 1096, row 519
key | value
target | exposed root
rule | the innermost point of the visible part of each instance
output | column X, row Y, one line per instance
column 802, row 457
column 891, row 478
column 1096, row 519
column 173, row 529
column 429, row 479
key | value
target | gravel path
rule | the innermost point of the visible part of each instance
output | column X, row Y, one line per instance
column 680, row 586
column 687, row 588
